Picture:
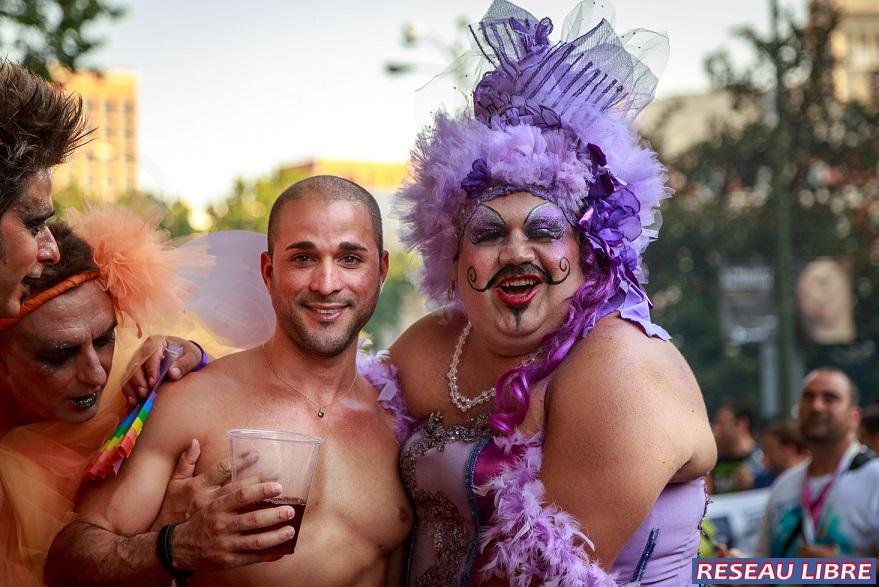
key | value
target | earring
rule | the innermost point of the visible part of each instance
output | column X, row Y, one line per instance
column 450, row 293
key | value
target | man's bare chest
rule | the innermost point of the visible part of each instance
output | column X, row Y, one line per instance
column 356, row 491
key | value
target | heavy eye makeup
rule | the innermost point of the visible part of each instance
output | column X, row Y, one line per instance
column 58, row 354
column 36, row 224
column 543, row 222
column 545, row 229
column 486, row 225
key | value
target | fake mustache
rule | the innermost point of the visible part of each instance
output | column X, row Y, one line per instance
column 516, row 270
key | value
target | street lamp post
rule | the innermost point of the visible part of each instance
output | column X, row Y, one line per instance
column 783, row 258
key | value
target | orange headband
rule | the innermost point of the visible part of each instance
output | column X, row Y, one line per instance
column 49, row 294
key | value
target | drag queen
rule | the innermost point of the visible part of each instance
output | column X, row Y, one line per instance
column 530, row 212
column 59, row 397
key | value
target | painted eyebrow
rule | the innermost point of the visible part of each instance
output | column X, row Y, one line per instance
column 495, row 212
column 60, row 347
column 534, row 209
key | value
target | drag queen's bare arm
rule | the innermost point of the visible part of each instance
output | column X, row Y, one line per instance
column 625, row 417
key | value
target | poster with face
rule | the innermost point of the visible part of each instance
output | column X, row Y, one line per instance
column 825, row 300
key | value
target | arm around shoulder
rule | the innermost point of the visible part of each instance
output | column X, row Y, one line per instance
column 109, row 542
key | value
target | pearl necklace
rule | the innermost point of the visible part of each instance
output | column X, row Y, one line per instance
column 461, row 401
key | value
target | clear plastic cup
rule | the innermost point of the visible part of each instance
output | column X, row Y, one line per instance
column 289, row 457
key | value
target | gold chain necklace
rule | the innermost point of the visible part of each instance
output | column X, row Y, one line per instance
column 320, row 408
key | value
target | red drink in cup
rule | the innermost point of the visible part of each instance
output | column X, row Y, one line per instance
column 289, row 458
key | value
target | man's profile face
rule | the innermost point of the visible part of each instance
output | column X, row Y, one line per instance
column 775, row 453
column 723, row 425
column 56, row 360
column 325, row 273
column 826, row 410
column 25, row 242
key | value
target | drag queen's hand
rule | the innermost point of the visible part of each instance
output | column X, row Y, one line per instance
column 143, row 370
column 188, row 492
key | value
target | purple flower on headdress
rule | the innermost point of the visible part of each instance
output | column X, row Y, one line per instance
column 610, row 220
column 498, row 99
column 492, row 95
column 534, row 36
column 614, row 216
column 596, row 154
column 478, row 180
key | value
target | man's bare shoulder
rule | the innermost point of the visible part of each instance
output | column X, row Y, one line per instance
column 617, row 364
column 205, row 387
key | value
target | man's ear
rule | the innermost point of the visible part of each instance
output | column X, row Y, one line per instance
column 384, row 266
column 453, row 269
column 266, row 269
column 856, row 418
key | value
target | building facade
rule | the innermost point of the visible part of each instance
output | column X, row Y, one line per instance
column 107, row 166
column 855, row 46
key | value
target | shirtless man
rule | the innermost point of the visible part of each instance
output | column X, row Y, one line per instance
column 323, row 269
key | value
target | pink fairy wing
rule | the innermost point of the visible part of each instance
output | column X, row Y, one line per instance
column 231, row 298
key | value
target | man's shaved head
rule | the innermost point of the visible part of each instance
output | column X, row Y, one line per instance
column 854, row 394
column 330, row 189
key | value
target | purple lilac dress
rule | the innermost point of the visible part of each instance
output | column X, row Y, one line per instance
column 457, row 476
column 480, row 508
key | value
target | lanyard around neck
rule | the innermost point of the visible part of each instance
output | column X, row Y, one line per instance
column 813, row 510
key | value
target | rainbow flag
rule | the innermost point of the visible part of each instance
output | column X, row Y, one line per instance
column 119, row 445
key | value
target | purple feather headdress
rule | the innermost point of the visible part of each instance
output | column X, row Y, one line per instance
column 550, row 119
column 553, row 120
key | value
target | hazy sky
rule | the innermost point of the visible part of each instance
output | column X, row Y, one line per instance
column 238, row 88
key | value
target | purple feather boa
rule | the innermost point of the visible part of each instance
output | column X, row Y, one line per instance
column 531, row 541
column 381, row 374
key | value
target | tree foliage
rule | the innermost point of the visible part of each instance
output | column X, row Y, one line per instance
column 174, row 214
column 42, row 33
column 248, row 204
column 723, row 210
